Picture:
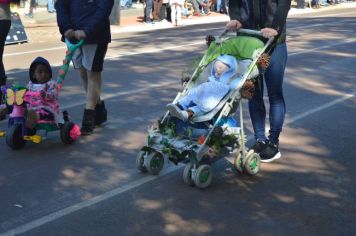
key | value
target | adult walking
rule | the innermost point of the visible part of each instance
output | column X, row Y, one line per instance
column 88, row 20
column 268, row 16
column 5, row 24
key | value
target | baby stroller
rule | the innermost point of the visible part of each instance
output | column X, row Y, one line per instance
column 17, row 96
column 195, row 142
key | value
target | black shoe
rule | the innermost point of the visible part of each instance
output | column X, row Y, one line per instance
column 270, row 153
column 100, row 113
column 259, row 146
column 88, row 122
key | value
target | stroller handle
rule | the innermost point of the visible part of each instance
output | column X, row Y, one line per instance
column 242, row 30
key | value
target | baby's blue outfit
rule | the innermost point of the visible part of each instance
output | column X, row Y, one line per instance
column 206, row 96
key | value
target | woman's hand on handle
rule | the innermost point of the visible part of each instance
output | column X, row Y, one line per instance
column 233, row 25
column 269, row 32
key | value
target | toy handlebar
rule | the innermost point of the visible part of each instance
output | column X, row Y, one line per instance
column 69, row 55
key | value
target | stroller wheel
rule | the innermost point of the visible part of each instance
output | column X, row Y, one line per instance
column 238, row 162
column 203, row 176
column 252, row 164
column 154, row 163
column 187, row 174
column 140, row 161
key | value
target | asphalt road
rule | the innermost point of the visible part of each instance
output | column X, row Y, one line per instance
column 93, row 187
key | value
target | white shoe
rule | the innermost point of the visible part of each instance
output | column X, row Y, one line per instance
column 177, row 112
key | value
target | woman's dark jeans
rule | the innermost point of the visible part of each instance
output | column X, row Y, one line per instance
column 4, row 30
column 273, row 78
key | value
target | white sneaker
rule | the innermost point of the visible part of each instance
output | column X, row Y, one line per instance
column 177, row 112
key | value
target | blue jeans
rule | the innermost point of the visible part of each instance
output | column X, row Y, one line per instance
column 148, row 9
column 221, row 5
column 273, row 78
column 126, row 3
column 50, row 5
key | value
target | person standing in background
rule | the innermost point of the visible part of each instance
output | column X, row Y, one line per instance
column 147, row 12
column 157, row 4
column 176, row 11
column 5, row 24
column 33, row 5
column 50, row 6
column 300, row 4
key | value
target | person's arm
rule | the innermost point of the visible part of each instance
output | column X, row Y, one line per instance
column 63, row 16
column 280, row 17
column 103, row 11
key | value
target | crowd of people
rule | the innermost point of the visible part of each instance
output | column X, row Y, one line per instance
column 301, row 4
column 174, row 10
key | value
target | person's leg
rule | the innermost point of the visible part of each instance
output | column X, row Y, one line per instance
column 4, row 30
column 258, row 112
column 173, row 13
column 95, row 112
column 148, row 9
column 179, row 15
column 274, row 82
column 223, row 7
column 218, row 5
column 155, row 10
column 158, row 9
column 195, row 6
column 94, row 89
column 83, row 73
column 50, row 6
column 123, row 3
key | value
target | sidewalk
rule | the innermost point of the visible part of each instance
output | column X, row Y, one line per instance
column 43, row 26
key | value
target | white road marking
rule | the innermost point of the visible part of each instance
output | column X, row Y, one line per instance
column 87, row 203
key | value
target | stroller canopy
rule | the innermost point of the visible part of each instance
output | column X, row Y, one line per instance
column 241, row 47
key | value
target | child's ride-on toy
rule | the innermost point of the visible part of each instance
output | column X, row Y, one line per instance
column 16, row 96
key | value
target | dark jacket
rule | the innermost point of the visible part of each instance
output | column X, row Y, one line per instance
column 92, row 16
column 258, row 14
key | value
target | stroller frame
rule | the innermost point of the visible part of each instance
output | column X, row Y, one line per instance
column 151, row 157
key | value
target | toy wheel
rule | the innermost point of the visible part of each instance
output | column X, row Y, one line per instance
column 252, row 164
column 140, row 161
column 187, row 174
column 154, row 163
column 204, row 176
column 238, row 162
column 65, row 133
column 14, row 137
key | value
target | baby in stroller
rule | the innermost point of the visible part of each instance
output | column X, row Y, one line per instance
column 204, row 97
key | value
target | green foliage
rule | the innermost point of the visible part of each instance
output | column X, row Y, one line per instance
column 219, row 142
